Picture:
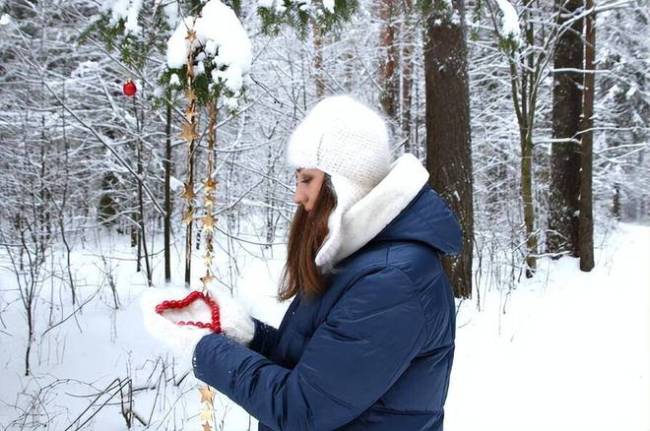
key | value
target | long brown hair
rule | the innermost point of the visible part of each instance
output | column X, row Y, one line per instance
column 307, row 232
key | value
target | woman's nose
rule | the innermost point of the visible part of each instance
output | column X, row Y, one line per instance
column 297, row 196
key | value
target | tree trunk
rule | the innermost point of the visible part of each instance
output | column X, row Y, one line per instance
column 562, row 233
column 524, row 96
column 388, row 59
column 29, row 304
column 142, row 239
column 188, row 228
column 616, row 202
column 527, row 198
column 168, row 200
column 448, row 128
column 586, row 147
column 408, row 38
column 269, row 210
column 191, row 118
column 318, row 60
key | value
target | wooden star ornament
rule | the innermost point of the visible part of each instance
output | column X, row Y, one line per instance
column 187, row 217
column 187, row 132
column 207, row 396
column 208, row 221
column 207, row 278
column 191, row 36
column 188, row 191
column 206, row 416
column 210, row 184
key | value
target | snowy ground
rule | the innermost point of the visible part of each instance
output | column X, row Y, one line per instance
column 565, row 351
column 571, row 351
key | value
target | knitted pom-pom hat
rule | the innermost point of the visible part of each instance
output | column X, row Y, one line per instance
column 349, row 141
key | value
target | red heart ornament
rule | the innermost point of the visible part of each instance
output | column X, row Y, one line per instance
column 214, row 325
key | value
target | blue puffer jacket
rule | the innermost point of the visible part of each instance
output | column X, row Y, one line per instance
column 374, row 352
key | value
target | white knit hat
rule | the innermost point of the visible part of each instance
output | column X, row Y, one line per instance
column 349, row 141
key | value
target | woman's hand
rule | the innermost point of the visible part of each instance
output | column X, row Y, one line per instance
column 235, row 320
column 180, row 319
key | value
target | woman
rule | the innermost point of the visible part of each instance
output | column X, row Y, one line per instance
column 367, row 342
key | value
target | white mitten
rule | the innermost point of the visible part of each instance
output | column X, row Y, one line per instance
column 236, row 322
column 180, row 339
column 173, row 326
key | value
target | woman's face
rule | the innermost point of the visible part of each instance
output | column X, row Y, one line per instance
column 308, row 184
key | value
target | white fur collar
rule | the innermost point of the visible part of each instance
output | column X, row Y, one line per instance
column 372, row 213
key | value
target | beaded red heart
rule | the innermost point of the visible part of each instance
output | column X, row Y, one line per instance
column 215, row 325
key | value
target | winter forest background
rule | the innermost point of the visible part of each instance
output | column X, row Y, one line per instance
column 532, row 116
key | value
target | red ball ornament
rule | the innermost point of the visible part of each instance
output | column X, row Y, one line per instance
column 129, row 88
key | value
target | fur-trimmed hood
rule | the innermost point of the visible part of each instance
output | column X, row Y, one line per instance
column 380, row 215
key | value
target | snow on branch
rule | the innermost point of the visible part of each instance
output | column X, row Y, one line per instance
column 222, row 48
column 509, row 30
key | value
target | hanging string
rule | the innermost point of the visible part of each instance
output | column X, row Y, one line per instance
column 209, row 187
column 189, row 134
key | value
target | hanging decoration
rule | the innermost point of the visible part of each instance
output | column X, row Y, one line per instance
column 129, row 88
column 189, row 135
column 208, row 59
column 209, row 218
column 211, row 53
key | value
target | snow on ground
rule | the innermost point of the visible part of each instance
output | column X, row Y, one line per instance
column 570, row 352
column 564, row 351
